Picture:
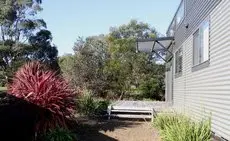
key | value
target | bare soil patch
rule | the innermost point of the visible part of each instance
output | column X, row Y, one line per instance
column 117, row 130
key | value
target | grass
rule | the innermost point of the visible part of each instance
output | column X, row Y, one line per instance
column 3, row 89
column 177, row 127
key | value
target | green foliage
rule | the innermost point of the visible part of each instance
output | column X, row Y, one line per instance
column 17, row 19
column 42, row 50
column 3, row 89
column 67, row 63
column 101, row 106
column 127, row 69
column 23, row 37
column 177, row 127
column 86, row 105
column 89, row 61
column 133, row 29
column 153, row 86
column 148, row 88
column 2, row 79
column 90, row 106
column 109, row 66
column 59, row 134
column 39, row 49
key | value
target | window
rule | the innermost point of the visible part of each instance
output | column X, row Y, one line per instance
column 171, row 33
column 171, row 29
column 180, row 14
column 201, row 44
column 177, row 19
column 178, row 61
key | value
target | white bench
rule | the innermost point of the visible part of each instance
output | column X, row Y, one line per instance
column 134, row 113
column 135, row 109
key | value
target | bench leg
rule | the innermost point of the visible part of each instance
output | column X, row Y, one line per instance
column 109, row 111
column 152, row 113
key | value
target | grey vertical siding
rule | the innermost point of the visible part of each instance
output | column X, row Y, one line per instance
column 195, row 12
column 198, row 10
column 206, row 92
column 179, row 86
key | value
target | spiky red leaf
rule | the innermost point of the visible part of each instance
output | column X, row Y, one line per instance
column 44, row 88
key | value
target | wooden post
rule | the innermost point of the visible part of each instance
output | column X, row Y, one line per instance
column 109, row 111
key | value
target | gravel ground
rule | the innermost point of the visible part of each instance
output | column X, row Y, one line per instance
column 117, row 130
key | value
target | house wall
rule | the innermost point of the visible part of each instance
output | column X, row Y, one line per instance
column 206, row 92
column 195, row 12
column 168, row 89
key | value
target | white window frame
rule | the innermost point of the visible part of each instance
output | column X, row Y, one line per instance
column 178, row 72
column 202, row 51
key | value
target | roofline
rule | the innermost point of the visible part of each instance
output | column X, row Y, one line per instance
column 174, row 15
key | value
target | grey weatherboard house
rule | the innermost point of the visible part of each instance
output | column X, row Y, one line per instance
column 197, row 50
column 198, row 75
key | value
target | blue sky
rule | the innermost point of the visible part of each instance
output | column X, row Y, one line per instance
column 68, row 19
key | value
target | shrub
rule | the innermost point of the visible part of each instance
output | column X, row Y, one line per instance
column 59, row 134
column 177, row 127
column 42, row 87
column 152, row 88
column 164, row 120
column 101, row 106
column 86, row 104
column 90, row 106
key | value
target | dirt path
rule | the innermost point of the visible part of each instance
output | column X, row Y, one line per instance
column 135, row 131
column 117, row 130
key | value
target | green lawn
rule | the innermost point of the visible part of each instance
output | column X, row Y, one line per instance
column 2, row 89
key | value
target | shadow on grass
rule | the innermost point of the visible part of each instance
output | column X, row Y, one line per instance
column 90, row 129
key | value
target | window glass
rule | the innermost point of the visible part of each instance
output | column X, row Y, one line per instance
column 205, row 31
column 171, row 32
column 180, row 14
column 201, row 44
column 196, row 44
column 178, row 61
column 171, row 29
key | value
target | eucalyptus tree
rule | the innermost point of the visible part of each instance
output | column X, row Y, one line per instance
column 20, row 32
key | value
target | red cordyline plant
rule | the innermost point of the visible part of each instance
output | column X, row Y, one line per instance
column 45, row 89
